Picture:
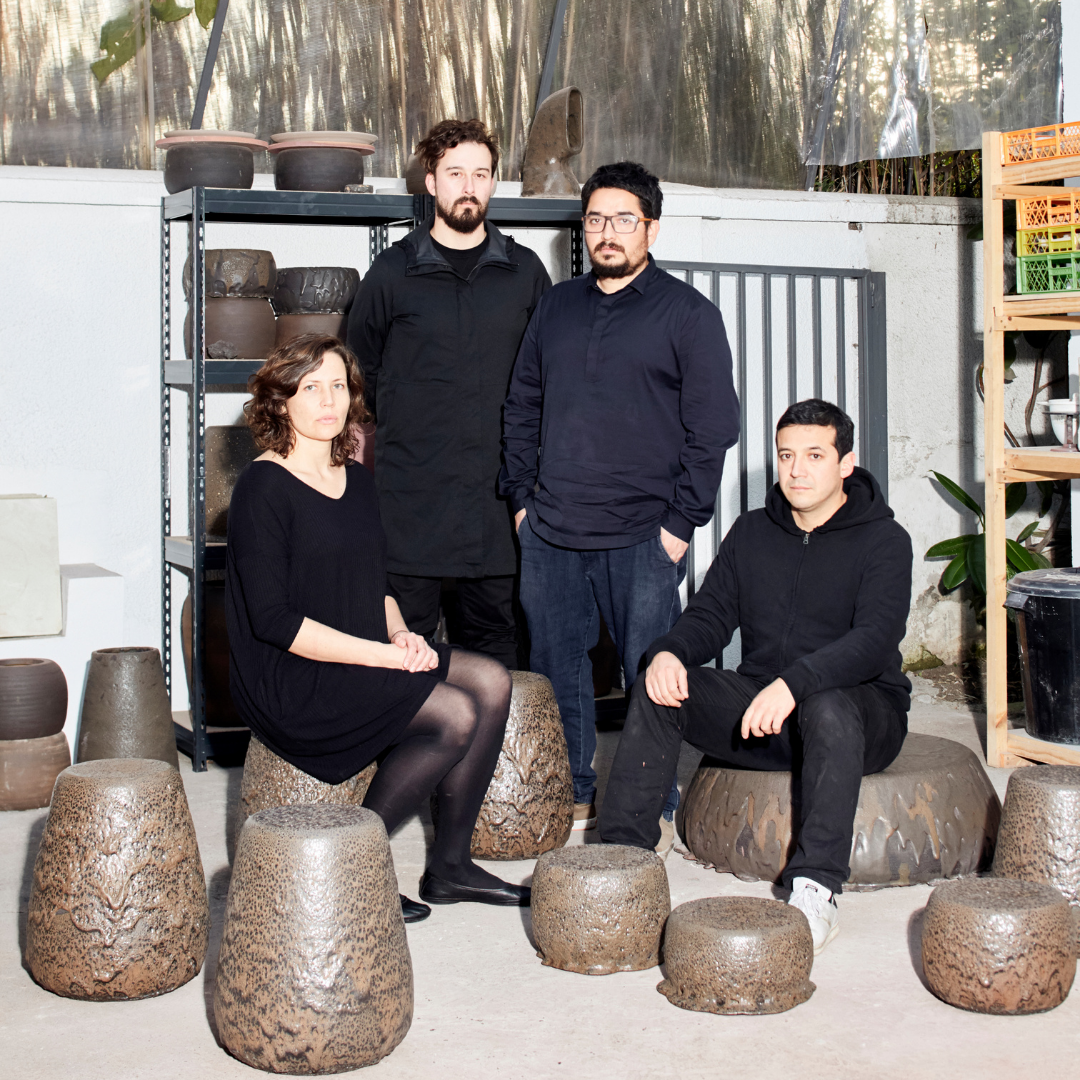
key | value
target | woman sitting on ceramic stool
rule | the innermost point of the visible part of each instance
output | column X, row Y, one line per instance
column 324, row 670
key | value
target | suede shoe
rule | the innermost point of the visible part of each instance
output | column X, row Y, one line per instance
column 437, row 890
column 584, row 816
column 667, row 838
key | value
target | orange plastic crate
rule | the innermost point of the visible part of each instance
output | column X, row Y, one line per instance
column 1044, row 210
column 1036, row 144
column 1048, row 241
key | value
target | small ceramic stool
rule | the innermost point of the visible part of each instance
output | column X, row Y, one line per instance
column 932, row 814
column 271, row 781
column 1039, row 839
column 737, row 954
column 314, row 974
column 118, row 904
column 28, row 770
column 126, row 711
column 995, row 945
column 599, row 908
column 529, row 806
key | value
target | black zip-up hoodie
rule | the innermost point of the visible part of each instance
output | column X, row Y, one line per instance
column 820, row 610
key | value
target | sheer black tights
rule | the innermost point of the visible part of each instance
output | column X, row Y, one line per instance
column 451, row 746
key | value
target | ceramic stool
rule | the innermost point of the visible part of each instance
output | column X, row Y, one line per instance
column 314, row 974
column 271, row 781
column 994, row 945
column 932, row 814
column 118, row 904
column 599, row 908
column 737, row 954
column 126, row 710
column 1039, row 839
column 529, row 806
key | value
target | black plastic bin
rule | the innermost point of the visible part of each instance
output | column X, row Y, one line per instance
column 1047, row 606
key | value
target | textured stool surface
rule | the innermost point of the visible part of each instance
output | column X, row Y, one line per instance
column 314, row 974
column 737, row 954
column 999, row 946
column 932, row 814
column 1039, row 838
column 118, row 905
column 600, row 908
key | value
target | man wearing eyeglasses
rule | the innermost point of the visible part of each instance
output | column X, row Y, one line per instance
column 620, row 411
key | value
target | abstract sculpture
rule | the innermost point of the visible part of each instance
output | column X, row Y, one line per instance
column 555, row 137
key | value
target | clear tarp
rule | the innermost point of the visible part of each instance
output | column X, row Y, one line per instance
column 712, row 92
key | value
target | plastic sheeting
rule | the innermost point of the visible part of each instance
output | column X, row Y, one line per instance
column 713, row 92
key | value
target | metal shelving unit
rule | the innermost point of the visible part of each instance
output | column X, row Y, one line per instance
column 198, row 206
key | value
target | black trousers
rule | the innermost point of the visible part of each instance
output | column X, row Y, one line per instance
column 485, row 612
column 830, row 742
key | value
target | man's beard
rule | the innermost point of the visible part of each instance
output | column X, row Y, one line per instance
column 615, row 270
column 464, row 216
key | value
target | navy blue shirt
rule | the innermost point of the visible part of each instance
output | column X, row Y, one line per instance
column 620, row 411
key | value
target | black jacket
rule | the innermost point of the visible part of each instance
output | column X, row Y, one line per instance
column 819, row 610
column 437, row 351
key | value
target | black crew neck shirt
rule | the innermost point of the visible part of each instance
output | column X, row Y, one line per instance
column 462, row 260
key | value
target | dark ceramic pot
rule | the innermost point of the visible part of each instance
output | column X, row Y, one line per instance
column 315, row 290
column 236, row 272
column 236, row 326
column 28, row 770
column 292, row 326
column 208, row 164
column 317, row 168
column 33, row 699
column 126, row 710
column 220, row 711
column 229, row 450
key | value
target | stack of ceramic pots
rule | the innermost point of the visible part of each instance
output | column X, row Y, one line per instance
column 313, row 300
column 221, row 159
column 320, row 160
column 239, row 316
column 33, row 749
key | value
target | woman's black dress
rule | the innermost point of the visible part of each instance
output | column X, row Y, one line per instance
column 294, row 553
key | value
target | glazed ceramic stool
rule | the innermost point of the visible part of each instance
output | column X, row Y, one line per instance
column 314, row 974
column 932, row 814
column 118, row 904
column 271, row 781
column 600, row 908
column 737, row 954
column 126, row 711
column 995, row 945
column 529, row 806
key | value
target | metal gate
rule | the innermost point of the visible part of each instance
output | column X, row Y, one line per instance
column 795, row 332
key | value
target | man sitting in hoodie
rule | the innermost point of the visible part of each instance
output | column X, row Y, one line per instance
column 819, row 584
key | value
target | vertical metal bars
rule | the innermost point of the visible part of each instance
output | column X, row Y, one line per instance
column 166, row 453
column 197, row 487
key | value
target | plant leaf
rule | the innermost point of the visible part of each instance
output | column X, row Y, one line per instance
column 1015, row 497
column 956, row 573
column 977, row 563
column 960, row 495
column 949, row 548
column 1040, row 560
column 1019, row 556
column 1046, row 489
column 1026, row 531
column 205, row 10
column 169, row 11
column 118, row 40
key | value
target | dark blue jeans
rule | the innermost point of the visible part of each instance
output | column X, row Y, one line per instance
column 564, row 591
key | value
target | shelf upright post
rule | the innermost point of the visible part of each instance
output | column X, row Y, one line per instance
column 166, row 452
column 197, row 485
column 997, row 701
column 577, row 250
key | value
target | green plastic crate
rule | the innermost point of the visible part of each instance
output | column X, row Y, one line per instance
column 1048, row 241
column 1048, row 273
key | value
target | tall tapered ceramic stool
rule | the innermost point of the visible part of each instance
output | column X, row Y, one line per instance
column 599, row 909
column 995, row 945
column 314, row 974
column 118, row 904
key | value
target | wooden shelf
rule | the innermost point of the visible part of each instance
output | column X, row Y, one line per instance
column 1058, row 303
column 1030, row 463
column 1025, row 746
column 1033, row 172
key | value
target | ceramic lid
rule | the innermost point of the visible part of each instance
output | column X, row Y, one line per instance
column 1062, row 582
column 211, row 140
column 360, row 148
column 361, row 137
column 195, row 132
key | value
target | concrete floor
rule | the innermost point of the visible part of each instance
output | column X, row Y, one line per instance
column 486, row 1007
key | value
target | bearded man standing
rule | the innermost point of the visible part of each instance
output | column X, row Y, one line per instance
column 620, row 412
column 436, row 325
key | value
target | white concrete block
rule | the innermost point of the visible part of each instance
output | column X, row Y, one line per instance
column 29, row 567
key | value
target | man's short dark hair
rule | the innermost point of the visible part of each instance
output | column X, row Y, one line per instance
column 813, row 412
column 450, row 133
column 627, row 176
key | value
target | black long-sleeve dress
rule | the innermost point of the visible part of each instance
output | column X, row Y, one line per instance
column 294, row 553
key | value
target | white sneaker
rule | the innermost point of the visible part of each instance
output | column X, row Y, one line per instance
column 819, row 907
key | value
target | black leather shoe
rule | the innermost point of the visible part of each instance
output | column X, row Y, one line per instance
column 437, row 890
column 412, row 911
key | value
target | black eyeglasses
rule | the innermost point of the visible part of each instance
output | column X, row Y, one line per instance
column 621, row 223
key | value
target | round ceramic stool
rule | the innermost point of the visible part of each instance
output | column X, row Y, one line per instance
column 995, row 945
column 271, row 781
column 737, row 954
column 118, row 904
column 1039, row 839
column 529, row 806
column 599, row 908
column 932, row 814
column 314, row 974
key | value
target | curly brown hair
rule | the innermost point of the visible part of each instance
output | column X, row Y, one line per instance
column 276, row 381
column 450, row 133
